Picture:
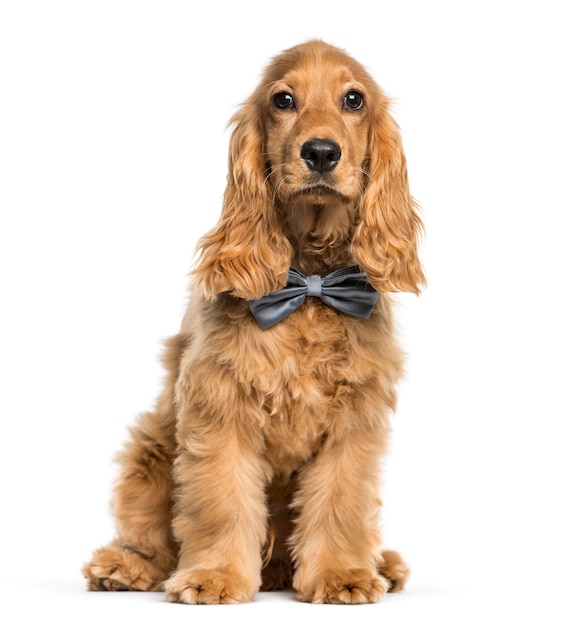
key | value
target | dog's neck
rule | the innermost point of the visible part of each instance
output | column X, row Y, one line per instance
column 320, row 235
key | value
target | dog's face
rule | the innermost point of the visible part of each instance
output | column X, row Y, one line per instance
column 317, row 119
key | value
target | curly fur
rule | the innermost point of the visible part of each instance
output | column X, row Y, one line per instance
column 258, row 468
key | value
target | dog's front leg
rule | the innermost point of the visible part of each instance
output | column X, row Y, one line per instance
column 221, row 516
column 336, row 542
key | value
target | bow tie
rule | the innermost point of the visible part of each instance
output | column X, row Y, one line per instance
column 347, row 290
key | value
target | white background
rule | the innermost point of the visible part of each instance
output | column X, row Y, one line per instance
column 113, row 156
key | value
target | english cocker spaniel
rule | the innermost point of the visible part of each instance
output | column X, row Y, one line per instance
column 258, row 469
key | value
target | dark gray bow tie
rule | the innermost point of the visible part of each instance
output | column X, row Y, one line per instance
column 347, row 290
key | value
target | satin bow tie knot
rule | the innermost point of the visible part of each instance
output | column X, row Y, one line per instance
column 314, row 286
column 347, row 290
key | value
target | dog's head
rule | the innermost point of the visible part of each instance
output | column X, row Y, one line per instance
column 317, row 176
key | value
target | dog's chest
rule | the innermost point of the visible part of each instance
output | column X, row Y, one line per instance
column 307, row 392
column 305, row 380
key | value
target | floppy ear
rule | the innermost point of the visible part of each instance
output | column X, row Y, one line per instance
column 246, row 253
column 386, row 238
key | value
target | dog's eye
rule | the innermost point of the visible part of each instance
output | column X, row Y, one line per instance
column 353, row 100
column 284, row 100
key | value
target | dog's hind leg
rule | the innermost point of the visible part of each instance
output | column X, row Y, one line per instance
column 144, row 553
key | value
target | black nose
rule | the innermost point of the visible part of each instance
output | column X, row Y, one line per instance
column 321, row 155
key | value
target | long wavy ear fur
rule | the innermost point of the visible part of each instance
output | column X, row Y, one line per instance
column 246, row 253
column 386, row 240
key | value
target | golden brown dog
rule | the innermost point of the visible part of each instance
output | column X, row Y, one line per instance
column 258, row 468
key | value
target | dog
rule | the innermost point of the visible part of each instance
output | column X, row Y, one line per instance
column 258, row 469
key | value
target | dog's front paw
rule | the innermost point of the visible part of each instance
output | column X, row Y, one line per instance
column 350, row 586
column 206, row 586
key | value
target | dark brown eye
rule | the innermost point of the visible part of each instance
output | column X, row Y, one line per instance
column 353, row 100
column 284, row 100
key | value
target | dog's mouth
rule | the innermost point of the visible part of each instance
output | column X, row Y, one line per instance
column 319, row 189
column 291, row 186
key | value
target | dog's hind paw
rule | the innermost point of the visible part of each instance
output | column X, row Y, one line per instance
column 394, row 569
column 114, row 568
